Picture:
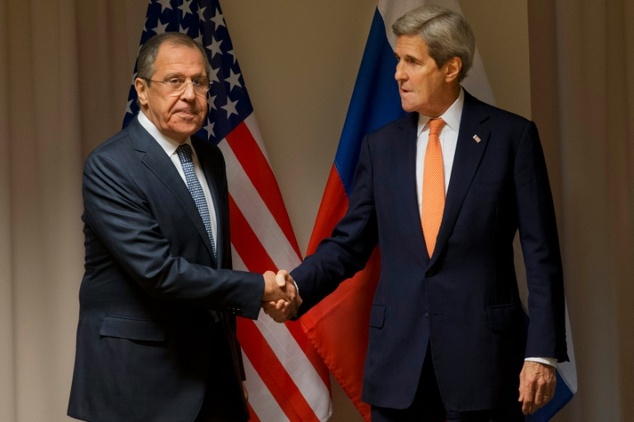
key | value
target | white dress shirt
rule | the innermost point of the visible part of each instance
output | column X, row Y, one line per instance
column 170, row 146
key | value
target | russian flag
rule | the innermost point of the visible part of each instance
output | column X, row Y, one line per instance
column 338, row 326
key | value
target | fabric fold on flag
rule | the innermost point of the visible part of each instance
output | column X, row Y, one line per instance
column 286, row 378
column 338, row 326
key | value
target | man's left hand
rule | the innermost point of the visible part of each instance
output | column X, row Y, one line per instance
column 537, row 386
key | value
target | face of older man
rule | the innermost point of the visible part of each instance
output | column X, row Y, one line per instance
column 177, row 113
column 423, row 86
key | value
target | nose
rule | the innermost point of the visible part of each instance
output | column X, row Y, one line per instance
column 188, row 92
column 399, row 74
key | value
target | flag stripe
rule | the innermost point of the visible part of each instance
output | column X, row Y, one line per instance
column 280, row 383
column 290, row 355
column 260, row 400
column 333, row 206
column 246, row 242
column 309, row 351
column 267, row 230
column 375, row 100
column 258, row 215
column 257, row 168
column 282, row 341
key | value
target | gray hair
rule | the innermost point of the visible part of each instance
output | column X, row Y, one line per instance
column 149, row 51
column 446, row 33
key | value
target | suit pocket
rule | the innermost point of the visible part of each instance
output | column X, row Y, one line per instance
column 377, row 316
column 502, row 317
column 131, row 329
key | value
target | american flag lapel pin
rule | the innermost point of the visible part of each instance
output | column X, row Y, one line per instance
column 476, row 138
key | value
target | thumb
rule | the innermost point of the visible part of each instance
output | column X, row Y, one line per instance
column 281, row 277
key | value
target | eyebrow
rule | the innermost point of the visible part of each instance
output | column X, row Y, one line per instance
column 170, row 75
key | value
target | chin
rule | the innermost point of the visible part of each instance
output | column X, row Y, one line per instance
column 187, row 130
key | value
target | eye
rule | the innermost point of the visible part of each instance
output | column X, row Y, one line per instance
column 200, row 82
column 175, row 82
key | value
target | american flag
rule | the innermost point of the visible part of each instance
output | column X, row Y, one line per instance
column 286, row 379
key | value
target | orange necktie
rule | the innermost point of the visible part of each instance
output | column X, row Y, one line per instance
column 433, row 186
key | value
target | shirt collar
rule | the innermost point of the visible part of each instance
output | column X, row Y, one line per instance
column 451, row 116
column 169, row 145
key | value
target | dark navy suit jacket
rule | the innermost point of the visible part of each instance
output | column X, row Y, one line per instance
column 464, row 301
column 157, row 312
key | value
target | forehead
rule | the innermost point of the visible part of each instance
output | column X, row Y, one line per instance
column 410, row 45
column 177, row 57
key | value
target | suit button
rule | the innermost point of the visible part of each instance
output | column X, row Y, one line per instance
column 430, row 273
column 426, row 314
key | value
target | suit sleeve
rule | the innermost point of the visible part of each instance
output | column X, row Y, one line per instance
column 540, row 246
column 121, row 217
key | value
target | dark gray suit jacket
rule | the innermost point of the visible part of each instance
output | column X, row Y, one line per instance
column 157, row 313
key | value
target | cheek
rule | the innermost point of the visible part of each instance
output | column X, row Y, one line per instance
column 202, row 106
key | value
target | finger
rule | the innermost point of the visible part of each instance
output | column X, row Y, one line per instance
column 280, row 305
column 527, row 399
column 541, row 400
column 527, row 407
column 268, row 307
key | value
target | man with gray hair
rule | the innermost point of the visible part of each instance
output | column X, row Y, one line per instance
column 443, row 192
column 156, row 338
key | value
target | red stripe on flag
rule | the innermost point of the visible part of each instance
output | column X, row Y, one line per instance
column 280, row 384
column 309, row 350
column 257, row 168
column 334, row 205
column 247, row 243
column 256, row 259
column 253, row 416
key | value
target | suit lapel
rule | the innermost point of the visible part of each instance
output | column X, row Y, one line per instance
column 473, row 138
column 155, row 159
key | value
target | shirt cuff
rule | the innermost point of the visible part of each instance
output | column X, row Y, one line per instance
column 546, row 361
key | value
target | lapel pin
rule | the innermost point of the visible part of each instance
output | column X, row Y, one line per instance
column 476, row 138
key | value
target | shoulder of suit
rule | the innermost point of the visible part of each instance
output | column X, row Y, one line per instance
column 133, row 136
column 408, row 121
column 491, row 110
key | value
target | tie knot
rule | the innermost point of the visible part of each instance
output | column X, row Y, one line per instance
column 435, row 126
column 184, row 152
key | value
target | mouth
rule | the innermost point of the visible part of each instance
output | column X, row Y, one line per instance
column 185, row 114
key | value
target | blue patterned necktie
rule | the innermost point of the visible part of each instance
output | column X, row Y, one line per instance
column 185, row 155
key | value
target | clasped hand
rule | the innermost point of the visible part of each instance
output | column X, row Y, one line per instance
column 280, row 300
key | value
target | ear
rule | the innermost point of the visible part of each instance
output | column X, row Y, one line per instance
column 453, row 68
column 141, row 91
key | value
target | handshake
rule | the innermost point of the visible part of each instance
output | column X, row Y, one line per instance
column 281, row 299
